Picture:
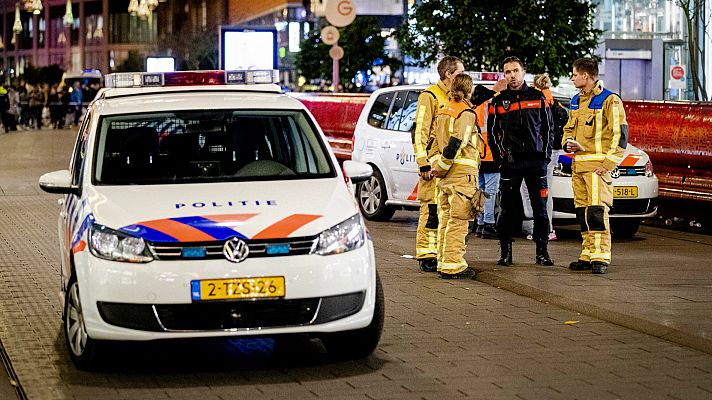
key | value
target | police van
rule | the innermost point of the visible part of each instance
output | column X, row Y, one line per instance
column 204, row 204
column 383, row 139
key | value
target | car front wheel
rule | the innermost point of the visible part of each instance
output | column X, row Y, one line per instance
column 624, row 228
column 83, row 350
column 372, row 197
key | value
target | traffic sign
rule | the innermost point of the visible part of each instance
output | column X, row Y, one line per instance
column 336, row 52
column 329, row 35
column 677, row 79
column 340, row 12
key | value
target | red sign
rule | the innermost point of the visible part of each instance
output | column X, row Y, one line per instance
column 677, row 72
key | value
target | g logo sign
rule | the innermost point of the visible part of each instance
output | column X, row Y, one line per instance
column 236, row 250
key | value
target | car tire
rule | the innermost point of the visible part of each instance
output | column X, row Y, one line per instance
column 624, row 228
column 362, row 342
column 372, row 196
column 83, row 350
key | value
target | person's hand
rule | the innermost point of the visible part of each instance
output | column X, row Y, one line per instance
column 434, row 173
column 600, row 171
column 572, row 147
column 427, row 175
column 500, row 85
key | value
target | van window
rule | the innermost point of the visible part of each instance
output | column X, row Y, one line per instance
column 379, row 111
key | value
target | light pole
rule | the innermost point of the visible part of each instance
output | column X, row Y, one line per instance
column 67, row 22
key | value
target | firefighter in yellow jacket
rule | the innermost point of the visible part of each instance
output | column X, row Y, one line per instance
column 597, row 134
column 458, row 141
column 430, row 102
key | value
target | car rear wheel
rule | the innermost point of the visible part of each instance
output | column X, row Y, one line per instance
column 358, row 343
column 624, row 228
column 83, row 350
column 372, row 197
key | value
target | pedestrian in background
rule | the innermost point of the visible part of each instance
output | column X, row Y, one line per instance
column 430, row 102
column 36, row 104
column 24, row 96
column 455, row 163
column 520, row 130
column 75, row 102
column 4, row 108
column 560, row 116
column 54, row 106
column 14, row 109
column 597, row 134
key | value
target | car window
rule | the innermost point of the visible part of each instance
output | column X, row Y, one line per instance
column 405, row 115
column 80, row 149
column 379, row 111
column 205, row 146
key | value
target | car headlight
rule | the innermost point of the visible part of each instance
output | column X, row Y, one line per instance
column 346, row 236
column 113, row 245
column 649, row 169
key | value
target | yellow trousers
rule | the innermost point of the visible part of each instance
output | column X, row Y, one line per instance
column 455, row 213
column 593, row 197
column 426, row 238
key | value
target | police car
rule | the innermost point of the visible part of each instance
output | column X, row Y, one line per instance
column 383, row 139
column 203, row 204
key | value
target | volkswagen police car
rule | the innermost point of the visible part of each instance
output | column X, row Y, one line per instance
column 383, row 139
column 203, row 204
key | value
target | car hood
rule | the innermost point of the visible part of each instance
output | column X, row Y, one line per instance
column 217, row 211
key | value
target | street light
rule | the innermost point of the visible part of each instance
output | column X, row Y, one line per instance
column 133, row 7
column 17, row 26
column 68, row 19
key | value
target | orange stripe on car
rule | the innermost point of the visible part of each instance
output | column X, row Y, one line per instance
column 229, row 220
column 180, row 231
column 79, row 247
column 630, row 160
column 414, row 195
column 286, row 226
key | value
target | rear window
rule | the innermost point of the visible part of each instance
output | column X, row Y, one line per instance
column 206, row 146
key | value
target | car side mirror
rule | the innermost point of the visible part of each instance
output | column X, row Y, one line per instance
column 58, row 182
column 357, row 171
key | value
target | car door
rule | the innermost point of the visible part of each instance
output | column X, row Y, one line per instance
column 399, row 155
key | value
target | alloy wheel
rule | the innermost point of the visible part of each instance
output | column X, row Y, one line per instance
column 74, row 323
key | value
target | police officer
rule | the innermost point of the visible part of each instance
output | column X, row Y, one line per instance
column 430, row 102
column 457, row 142
column 520, row 130
column 597, row 134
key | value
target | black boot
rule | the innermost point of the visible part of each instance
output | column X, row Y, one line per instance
column 505, row 248
column 599, row 267
column 542, row 255
column 580, row 265
column 428, row 264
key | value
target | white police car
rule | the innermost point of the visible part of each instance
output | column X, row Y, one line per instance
column 382, row 138
column 202, row 204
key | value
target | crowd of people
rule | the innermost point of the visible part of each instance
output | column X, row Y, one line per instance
column 527, row 129
column 28, row 106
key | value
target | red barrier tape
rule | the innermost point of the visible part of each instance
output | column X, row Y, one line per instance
column 676, row 135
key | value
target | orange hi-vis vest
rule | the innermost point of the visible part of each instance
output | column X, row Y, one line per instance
column 457, row 138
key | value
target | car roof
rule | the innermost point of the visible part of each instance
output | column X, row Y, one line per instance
column 113, row 101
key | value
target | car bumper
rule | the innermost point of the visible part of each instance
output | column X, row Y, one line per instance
column 153, row 300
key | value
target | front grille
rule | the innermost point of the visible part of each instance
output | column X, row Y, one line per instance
column 214, row 249
column 237, row 314
column 620, row 206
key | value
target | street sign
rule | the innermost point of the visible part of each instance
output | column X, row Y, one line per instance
column 677, row 78
column 329, row 35
column 336, row 52
column 340, row 12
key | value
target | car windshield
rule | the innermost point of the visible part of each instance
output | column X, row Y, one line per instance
column 209, row 146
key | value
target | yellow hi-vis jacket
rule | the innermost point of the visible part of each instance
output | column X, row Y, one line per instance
column 458, row 141
column 597, row 122
column 430, row 101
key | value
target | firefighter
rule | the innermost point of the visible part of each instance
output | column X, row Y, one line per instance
column 597, row 134
column 457, row 145
column 430, row 102
column 520, row 134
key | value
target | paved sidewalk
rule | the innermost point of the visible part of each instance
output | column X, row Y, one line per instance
column 665, row 293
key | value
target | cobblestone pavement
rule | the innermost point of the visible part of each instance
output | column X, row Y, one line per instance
column 441, row 339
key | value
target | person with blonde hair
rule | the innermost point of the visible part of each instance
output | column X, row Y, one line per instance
column 456, row 164
column 560, row 116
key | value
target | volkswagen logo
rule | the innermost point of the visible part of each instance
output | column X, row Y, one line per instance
column 236, row 250
column 615, row 173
